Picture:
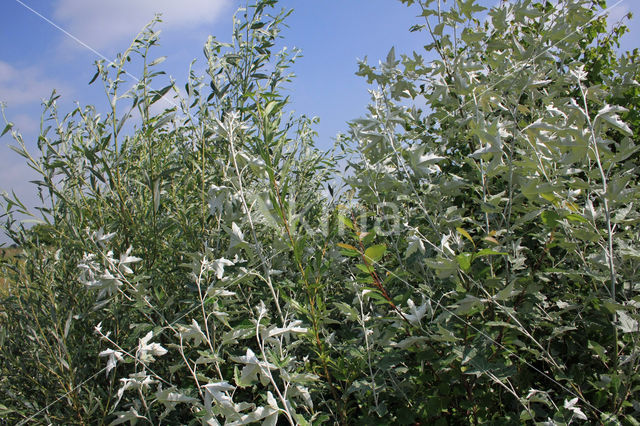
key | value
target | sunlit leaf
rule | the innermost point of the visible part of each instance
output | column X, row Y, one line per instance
column 374, row 253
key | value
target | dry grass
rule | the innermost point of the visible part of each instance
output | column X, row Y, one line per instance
column 9, row 252
column 6, row 253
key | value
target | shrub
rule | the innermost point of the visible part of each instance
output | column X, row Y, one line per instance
column 475, row 264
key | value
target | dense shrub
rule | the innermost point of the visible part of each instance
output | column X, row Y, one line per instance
column 476, row 262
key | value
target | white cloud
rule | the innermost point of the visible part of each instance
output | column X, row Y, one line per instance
column 101, row 24
column 22, row 86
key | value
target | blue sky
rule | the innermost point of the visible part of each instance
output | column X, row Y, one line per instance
column 36, row 57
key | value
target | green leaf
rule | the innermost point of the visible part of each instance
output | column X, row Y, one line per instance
column 609, row 115
column 468, row 8
column 8, row 127
column 599, row 350
column 489, row 252
column 501, row 324
column 585, row 235
column 468, row 305
column 550, row 218
column 612, row 307
column 631, row 420
column 437, row 30
column 444, row 335
column 95, row 76
column 464, row 260
column 470, row 37
column 346, row 221
column 374, row 293
column 506, row 293
column 549, row 197
column 157, row 61
column 391, row 56
column 466, row 235
column 626, row 323
column 349, row 250
column 367, row 269
column 576, row 218
column 157, row 94
column 367, row 237
column 300, row 420
column 444, row 267
column 270, row 106
column 347, row 310
column 375, row 253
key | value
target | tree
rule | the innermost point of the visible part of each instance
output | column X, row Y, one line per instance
column 476, row 264
column 510, row 231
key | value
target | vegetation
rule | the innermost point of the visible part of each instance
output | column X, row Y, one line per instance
column 6, row 254
column 477, row 261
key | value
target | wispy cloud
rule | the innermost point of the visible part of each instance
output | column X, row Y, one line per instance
column 101, row 24
column 23, row 86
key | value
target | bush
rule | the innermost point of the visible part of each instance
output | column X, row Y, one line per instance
column 475, row 264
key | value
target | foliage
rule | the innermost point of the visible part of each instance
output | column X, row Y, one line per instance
column 476, row 264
